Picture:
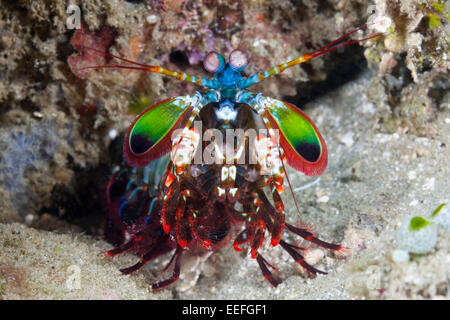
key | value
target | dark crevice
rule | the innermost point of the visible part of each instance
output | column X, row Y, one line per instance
column 438, row 89
column 324, row 6
column 179, row 59
column 399, row 78
column 81, row 203
column 341, row 70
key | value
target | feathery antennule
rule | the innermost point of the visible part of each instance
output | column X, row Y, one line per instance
column 301, row 224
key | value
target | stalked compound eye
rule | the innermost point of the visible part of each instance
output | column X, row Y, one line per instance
column 238, row 59
column 214, row 62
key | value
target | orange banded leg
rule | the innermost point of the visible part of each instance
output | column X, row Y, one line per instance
column 167, row 212
column 257, row 220
column 124, row 247
column 265, row 270
column 154, row 252
column 138, row 265
column 175, row 274
column 278, row 203
column 305, row 234
column 257, row 240
column 242, row 238
column 278, row 219
column 299, row 258
column 277, row 228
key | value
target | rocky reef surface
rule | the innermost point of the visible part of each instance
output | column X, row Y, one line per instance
column 387, row 130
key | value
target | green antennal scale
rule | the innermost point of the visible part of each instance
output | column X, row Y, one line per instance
column 149, row 137
column 302, row 143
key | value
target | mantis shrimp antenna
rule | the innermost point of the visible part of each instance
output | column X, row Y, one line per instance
column 201, row 81
column 257, row 77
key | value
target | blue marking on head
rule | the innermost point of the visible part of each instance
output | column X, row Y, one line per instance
column 229, row 77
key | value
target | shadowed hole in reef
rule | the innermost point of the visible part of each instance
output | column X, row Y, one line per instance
column 82, row 202
column 343, row 66
column 179, row 59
